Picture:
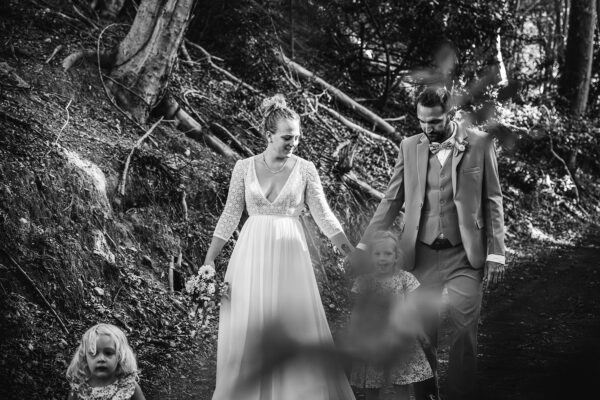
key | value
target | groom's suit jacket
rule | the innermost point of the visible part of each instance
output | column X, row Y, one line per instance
column 476, row 194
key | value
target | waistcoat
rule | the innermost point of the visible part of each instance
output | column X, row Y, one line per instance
column 438, row 215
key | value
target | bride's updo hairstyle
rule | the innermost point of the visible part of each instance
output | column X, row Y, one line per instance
column 274, row 109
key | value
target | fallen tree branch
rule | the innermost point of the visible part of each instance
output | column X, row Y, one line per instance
column 342, row 97
column 168, row 107
column 223, row 133
column 46, row 302
column 187, row 103
column 192, row 128
column 351, row 179
column 355, row 127
column 223, row 71
column 203, row 51
column 137, row 144
column 402, row 118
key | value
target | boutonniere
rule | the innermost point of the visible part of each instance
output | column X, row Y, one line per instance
column 461, row 145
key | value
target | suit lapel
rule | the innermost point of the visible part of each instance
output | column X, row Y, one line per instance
column 422, row 161
column 461, row 134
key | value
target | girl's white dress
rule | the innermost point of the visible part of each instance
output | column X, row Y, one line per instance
column 272, row 280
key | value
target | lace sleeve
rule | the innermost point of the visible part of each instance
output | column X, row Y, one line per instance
column 230, row 218
column 317, row 203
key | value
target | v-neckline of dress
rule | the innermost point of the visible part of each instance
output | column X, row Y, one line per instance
column 260, row 189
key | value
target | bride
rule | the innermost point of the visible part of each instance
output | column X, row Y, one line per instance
column 270, row 272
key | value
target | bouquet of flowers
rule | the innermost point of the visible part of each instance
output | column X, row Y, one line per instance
column 205, row 293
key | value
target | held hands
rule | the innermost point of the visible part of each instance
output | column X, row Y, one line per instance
column 356, row 260
column 494, row 274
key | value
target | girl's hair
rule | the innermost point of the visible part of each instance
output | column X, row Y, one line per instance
column 379, row 236
column 78, row 369
column 274, row 109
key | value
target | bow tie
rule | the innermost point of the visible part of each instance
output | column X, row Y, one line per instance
column 436, row 147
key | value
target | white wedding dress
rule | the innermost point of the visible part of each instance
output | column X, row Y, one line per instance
column 272, row 280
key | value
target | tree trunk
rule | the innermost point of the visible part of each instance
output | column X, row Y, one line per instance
column 576, row 76
column 146, row 56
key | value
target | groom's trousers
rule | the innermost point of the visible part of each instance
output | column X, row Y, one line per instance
column 449, row 268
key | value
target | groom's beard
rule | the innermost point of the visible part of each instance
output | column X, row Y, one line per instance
column 439, row 136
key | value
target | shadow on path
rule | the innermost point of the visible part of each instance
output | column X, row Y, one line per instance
column 539, row 337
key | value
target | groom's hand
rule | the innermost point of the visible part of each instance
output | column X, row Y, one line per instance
column 494, row 274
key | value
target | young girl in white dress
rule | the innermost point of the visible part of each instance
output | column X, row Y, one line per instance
column 385, row 317
column 270, row 272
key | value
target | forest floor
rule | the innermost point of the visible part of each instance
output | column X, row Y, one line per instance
column 539, row 332
column 537, row 338
column 536, row 331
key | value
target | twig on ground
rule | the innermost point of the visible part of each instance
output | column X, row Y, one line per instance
column 564, row 163
column 56, row 50
column 128, row 161
column 38, row 291
column 83, row 17
column 107, row 235
column 62, row 128
column 117, row 294
column 13, row 119
column 122, row 321
column 187, row 103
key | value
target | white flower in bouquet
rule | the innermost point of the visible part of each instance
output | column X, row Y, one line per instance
column 191, row 284
column 210, row 289
column 202, row 287
column 207, row 272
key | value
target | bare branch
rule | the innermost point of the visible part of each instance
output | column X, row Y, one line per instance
column 339, row 95
column 128, row 161
column 38, row 291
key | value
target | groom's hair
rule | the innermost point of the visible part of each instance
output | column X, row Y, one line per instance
column 434, row 96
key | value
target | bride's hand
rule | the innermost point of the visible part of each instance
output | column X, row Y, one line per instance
column 209, row 262
column 341, row 242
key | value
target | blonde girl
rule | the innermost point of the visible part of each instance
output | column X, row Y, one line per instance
column 384, row 317
column 104, row 367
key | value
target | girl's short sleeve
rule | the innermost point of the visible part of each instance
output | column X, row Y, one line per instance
column 410, row 282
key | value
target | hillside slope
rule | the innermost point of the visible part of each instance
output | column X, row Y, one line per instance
column 74, row 252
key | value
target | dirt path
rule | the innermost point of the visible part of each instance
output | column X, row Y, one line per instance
column 539, row 338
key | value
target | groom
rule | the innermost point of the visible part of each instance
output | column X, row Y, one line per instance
column 452, row 230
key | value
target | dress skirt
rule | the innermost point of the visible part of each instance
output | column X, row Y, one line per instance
column 272, row 282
